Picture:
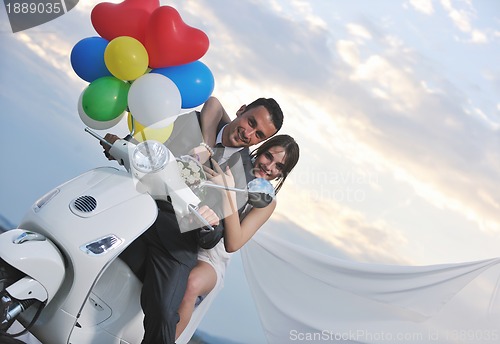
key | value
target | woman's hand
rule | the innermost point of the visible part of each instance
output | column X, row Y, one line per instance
column 200, row 153
column 218, row 176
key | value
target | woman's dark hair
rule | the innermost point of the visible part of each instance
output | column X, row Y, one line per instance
column 291, row 154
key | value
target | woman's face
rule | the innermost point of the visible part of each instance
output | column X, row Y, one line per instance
column 269, row 165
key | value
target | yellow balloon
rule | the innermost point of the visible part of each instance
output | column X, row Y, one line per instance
column 143, row 133
column 126, row 58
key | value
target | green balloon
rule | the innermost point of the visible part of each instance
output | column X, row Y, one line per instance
column 105, row 98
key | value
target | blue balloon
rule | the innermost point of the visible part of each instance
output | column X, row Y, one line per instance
column 194, row 80
column 87, row 58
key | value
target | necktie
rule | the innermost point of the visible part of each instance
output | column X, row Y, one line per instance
column 218, row 152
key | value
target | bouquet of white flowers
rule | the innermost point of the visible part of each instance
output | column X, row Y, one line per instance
column 192, row 173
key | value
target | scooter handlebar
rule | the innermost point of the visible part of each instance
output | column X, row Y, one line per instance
column 120, row 151
column 99, row 137
column 194, row 211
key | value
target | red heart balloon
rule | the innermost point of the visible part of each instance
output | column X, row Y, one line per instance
column 128, row 18
column 170, row 41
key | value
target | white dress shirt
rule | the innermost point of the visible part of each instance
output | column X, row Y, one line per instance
column 228, row 151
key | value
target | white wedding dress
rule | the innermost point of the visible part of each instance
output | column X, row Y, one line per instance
column 302, row 295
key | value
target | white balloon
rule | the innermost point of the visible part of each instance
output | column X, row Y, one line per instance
column 92, row 123
column 154, row 100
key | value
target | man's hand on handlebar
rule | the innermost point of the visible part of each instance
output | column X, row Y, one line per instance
column 111, row 138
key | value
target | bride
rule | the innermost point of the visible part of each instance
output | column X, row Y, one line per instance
column 273, row 160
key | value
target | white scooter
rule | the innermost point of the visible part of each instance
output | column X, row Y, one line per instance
column 58, row 272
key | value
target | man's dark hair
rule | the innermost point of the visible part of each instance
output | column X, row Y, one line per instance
column 272, row 107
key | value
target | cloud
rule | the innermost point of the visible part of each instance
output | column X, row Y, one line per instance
column 463, row 18
column 346, row 229
column 385, row 104
column 348, row 51
column 423, row 6
column 50, row 49
column 390, row 82
column 397, row 120
column 435, row 128
column 358, row 31
column 479, row 37
column 86, row 6
column 460, row 19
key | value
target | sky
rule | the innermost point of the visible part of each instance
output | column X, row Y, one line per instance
column 395, row 106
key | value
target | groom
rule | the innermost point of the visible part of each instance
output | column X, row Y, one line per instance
column 169, row 254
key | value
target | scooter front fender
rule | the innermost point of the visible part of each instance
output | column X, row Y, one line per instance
column 34, row 255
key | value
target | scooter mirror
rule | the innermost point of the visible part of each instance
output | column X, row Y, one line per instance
column 260, row 193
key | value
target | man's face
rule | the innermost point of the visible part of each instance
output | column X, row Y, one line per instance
column 249, row 127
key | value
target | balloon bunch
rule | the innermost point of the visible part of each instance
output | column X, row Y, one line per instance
column 145, row 62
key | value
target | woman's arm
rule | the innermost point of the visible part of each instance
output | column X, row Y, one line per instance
column 212, row 113
column 237, row 234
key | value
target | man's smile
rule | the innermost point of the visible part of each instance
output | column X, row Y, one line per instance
column 241, row 136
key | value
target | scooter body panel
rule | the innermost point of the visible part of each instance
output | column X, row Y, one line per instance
column 114, row 207
column 112, row 309
column 39, row 259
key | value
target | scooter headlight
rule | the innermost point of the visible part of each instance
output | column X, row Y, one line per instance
column 150, row 156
